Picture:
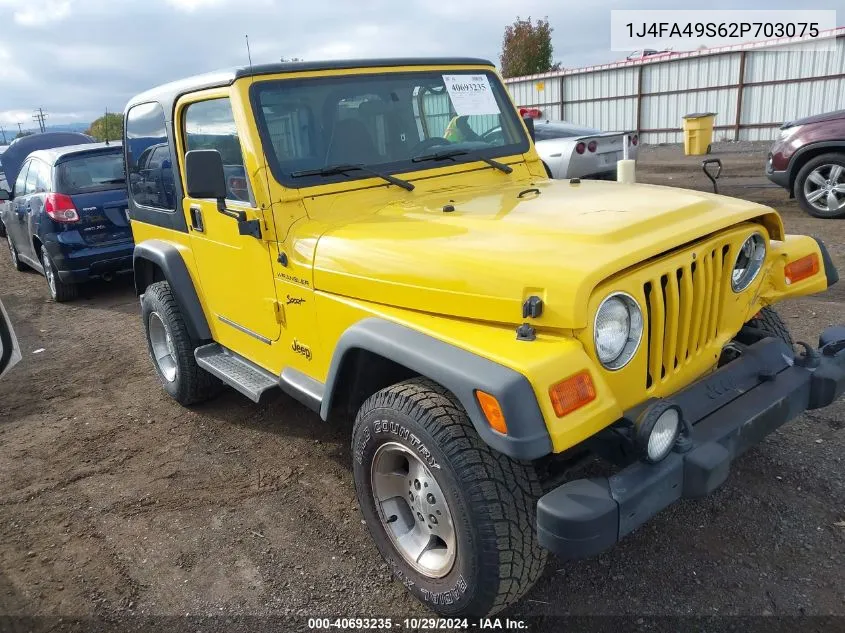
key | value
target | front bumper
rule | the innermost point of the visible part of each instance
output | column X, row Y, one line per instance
column 730, row 410
column 780, row 178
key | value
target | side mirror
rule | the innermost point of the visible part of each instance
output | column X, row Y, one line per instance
column 529, row 124
column 5, row 195
column 204, row 174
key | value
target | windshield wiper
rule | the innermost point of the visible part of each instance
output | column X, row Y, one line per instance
column 450, row 154
column 331, row 170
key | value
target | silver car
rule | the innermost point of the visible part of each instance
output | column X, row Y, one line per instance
column 574, row 151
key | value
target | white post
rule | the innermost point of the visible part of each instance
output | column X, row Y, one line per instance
column 626, row 168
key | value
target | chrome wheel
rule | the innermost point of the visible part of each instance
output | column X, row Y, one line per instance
column 161, row 343
column 12, row 250
column 824, row 188
column 48, row 272
column 413, row 510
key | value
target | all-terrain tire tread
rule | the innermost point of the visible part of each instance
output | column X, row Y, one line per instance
column 770, row 321
column 498, row 487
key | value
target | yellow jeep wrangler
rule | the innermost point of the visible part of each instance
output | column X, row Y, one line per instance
column 308, row 227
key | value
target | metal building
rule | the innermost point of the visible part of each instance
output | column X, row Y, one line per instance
column 752, row 87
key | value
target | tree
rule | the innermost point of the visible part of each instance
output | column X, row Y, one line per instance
column 23, row 133
column 527, row 48
column 109, row 126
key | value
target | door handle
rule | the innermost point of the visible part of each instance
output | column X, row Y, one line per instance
column 196, row 219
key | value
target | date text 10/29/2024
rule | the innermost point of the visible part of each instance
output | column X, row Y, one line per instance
column 415, row 624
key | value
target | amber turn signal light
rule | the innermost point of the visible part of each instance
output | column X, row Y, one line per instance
column 572, row 393
column 492, row 411
column 801, row 268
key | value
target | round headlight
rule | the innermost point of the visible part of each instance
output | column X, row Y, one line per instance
column 618, row 330
column 657, row 430
column 748, row 263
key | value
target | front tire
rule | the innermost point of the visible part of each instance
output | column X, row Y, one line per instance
column 772, row 323
column 820, row 186
column 171, row 348
column 59, row 290
column 454, row 519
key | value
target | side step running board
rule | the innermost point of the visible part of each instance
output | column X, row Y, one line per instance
column 236, row 371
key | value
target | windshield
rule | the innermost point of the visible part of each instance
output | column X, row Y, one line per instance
column 383, row 122
column 90, row 172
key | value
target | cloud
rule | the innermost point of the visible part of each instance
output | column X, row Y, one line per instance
column 193, row 5
column 37, row 13
column 75, row 58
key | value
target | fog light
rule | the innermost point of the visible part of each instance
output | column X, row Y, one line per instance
column 657, row 430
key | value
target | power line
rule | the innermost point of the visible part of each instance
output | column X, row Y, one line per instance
column 40, row 118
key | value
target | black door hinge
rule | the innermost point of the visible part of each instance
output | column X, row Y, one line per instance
column 250, row 227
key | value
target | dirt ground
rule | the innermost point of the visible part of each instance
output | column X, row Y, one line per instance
column 114, row 500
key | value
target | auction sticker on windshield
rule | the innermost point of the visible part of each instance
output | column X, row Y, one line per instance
column 471, row 94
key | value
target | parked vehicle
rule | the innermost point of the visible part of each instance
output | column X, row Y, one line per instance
column 574, row 151
column 10, row 353
column 21, row 147
column 808, row 160
column 471, row 314
column 646, row 52
column 2, row 172
column 67, row 216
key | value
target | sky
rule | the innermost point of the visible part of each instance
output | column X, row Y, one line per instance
column 76, row 58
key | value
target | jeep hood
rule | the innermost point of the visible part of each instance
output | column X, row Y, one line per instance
column 481, row 261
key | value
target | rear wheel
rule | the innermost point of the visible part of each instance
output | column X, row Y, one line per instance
column 454, row 519
column 59, row 290
column 820, row 186
column 172, row 349
column 17, row 263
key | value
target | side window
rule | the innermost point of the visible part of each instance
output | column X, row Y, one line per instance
column 31, row 178
column 151, row 183
column 42, row 178
column 211, row 125
column 20, row 183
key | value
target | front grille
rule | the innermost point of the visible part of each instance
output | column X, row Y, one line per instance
column 684, row 307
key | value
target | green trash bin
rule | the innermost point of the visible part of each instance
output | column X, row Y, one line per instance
column 698, row 133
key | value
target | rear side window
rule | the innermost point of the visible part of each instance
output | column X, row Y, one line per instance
column 31, row 178
column 211, row 125
column 90, row 173
column 42, row 176
column 20, row 183
column 148, row 158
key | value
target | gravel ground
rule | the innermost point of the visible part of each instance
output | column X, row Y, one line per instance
column 115, row 501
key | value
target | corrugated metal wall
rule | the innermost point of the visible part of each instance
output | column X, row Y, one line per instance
column 768, row 85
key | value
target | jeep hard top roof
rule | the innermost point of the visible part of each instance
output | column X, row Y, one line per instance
column 167, row 94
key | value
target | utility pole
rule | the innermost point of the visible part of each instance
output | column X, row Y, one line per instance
column 3, row 131
column 40, row 117
column 20, row 129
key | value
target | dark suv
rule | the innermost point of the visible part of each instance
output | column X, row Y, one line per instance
column 808, row 160
column 67, row 216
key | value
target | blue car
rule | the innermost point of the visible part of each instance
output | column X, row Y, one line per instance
column 66, row 216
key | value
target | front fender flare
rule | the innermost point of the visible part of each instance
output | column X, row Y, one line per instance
column 169, row 260
column 461, row 372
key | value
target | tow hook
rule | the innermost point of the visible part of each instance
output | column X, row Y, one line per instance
column 810, row 359
column 716, row 173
